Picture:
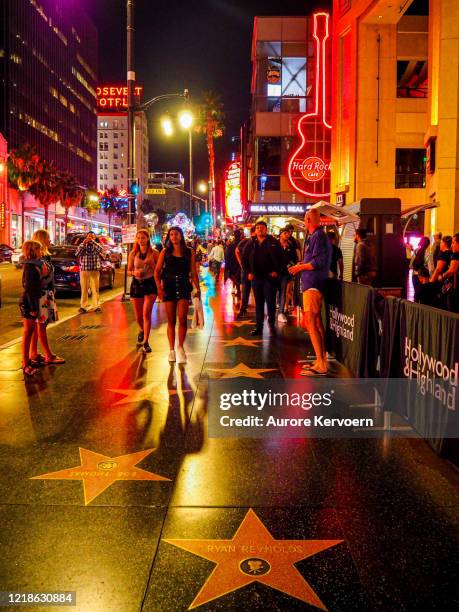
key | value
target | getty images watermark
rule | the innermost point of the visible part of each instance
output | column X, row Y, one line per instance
column 330, row 408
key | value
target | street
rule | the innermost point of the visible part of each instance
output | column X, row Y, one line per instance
column 10, row 317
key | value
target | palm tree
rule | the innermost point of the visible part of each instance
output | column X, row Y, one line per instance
column 110, row 205
column 24, row 167
column 47, row 188
column 210, row 122
column 71, row 194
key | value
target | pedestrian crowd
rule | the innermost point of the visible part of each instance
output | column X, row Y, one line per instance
column 280, row 274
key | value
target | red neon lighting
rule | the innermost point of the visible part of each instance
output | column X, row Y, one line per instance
column 313, row 168
column 115, row 96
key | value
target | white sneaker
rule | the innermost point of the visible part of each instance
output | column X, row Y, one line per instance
column 181, row 355
column 282, row 318
column 171, row 356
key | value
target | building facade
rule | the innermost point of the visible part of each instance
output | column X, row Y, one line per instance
column 112, row 151
column 48, row 72
column 395, row 105
column 286, row 147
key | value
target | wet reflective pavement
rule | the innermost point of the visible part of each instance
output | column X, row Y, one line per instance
column 110, row 486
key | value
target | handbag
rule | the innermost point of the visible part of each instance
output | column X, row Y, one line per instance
column 197, row 322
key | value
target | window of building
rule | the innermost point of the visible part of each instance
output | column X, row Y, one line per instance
column 115, row 155
column 115, row 166
column 115, row 145
column 105, row 176
column 101, row 166
column 410, row 168
column 115, row 177
column 115, row 134
column 269, row 163
column 106, row 166
column 115, row 124
column 101, row 177
column 412, row 79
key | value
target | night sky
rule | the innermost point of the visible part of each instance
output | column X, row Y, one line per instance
column 200, row 45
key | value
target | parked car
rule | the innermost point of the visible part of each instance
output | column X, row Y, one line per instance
column 5, row 252
column 67, row 270
column 113, row 251
column 15, row 257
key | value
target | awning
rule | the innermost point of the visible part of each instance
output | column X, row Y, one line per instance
column 339, row 214
column 414, row 210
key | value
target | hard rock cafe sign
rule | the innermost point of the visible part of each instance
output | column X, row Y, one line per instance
column 309, row 166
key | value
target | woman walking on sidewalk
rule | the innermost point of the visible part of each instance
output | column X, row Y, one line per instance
column 48, row 306
column 176, row 264
column 141, row 266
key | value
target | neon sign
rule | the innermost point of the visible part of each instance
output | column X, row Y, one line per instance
column 233, row 190
column 309, row 166
column 114, row 97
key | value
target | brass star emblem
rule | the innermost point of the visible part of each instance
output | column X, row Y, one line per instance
column 253, row 555
column 240, row 341
column 240, row 371
column 146, row 393
column 98, row 471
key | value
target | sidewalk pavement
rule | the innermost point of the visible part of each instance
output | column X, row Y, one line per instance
column 110, row 486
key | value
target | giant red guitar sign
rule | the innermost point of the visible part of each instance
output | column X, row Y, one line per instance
column 309, row 166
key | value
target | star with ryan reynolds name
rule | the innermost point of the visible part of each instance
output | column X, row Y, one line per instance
column 146, row 393
column 241, row 371
column 98, row 471
column 253, row 555
column 240, row 341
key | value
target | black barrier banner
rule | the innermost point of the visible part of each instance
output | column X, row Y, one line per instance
column 422, row 344
column 351, row 328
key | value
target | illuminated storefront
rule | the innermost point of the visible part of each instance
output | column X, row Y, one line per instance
column 287, row 156
column 233, row 202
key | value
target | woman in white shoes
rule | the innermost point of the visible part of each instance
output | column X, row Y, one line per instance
column 175, row 270
column 141, row 266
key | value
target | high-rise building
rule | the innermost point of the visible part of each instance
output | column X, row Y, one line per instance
column 48, row 74
column 112, row 151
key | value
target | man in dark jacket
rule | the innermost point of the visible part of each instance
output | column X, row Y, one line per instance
column 264, row 265
column 245, row 283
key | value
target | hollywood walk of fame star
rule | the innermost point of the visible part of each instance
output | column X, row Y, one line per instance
column 239, row 323
column 146, row 393
column 240, row 341
column 240, row 371
column 253, row 555
column 98, row 471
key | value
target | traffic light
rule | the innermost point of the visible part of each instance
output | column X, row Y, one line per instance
column 135, row 187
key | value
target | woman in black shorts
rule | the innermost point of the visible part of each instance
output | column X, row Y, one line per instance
column 141, row 266
column 176, row 266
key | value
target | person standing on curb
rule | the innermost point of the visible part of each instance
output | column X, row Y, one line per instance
column 264, row 259
column 314, row 272
column 47, row 306
column 141, row 266
column 89, row 254
column 364, row 259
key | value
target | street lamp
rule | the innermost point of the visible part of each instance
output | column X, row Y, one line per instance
column 168, row 128
column 186, row 121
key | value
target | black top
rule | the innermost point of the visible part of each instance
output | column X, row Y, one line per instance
column 176, row 266
column 31, row 282
column 242, row 251
column 264, row 258
column 446, row 257
column 337, row 254
column 290, row 257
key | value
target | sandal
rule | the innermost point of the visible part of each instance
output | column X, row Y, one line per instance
column 28, row 370
column 55, row 360
column 37, row 361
